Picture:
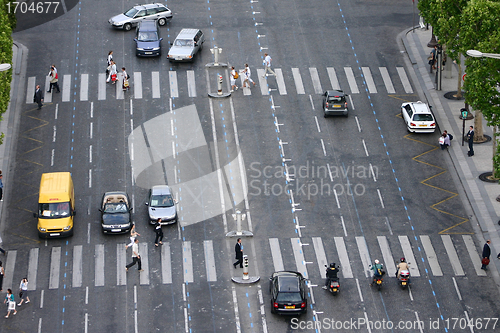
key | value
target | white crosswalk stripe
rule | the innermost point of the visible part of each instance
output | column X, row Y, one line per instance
column 293, row 250
column 143, row 85
column 48, row 96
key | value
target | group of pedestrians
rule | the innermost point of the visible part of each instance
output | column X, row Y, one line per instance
column 445, row 140
column 10, row 300
column 112, row 73
column 247, row 73
column 134, row 243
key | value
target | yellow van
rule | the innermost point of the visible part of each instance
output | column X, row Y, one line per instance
column 56, row 205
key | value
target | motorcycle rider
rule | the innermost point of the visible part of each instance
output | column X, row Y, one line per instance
column 378, row 271
column 331, row 273
column 402, row 266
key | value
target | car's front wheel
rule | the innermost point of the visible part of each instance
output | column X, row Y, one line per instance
column 162, row 22
column 127, row 26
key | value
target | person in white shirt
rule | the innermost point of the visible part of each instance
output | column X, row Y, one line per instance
column 248, row 78
column 232, row 79
column 136, row 257
column 267, row 65
column 23, row 291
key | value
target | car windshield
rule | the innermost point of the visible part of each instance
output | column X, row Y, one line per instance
column 112, row 207
column 423, row 117
column 284, row 297
column 53, row 210
column 184, row 42
column 131, row 12
column 334, row 99
column 162, row 201
column 147, row 36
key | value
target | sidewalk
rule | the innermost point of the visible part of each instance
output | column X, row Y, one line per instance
column 479, row 197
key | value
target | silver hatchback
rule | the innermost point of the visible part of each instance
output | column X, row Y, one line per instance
column 161, row 205
column 187, row 43
column 129, row 19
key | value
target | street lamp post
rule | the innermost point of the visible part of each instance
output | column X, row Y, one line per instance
column 479, row 54
column 5, row 67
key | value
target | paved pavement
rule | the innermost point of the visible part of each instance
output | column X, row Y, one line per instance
column 479, row 197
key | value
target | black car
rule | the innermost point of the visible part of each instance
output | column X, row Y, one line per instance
column 115, row 213
column 288, row 293
column 147, row 39
column 334, row 103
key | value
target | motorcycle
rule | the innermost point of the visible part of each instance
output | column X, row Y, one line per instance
column 404, row 279
column 378, row 281
column 333, row 284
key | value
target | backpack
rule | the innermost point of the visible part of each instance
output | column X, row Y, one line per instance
column 236, row 75
column 451, row 136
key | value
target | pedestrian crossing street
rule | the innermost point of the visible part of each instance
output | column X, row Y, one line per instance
column 87, row 87
column 108, row 261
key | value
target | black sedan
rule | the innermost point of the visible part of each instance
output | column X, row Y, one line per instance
column 115, row 213
column 288, row 293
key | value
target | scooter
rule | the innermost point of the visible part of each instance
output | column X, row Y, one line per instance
column 404, row 279
column 333, row 283
column 378, row 281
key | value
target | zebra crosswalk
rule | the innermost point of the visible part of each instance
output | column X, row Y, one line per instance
column 105, row 259
column 153, row 85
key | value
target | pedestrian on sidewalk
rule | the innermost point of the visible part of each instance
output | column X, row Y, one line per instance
column 125, row 84
column 247, row 77
column 110, row 58
column 23, row 291
column 136, row 257
column 433, row 58
column 9, row 300
column 2, row 273
column 133, row 236
column 54, row 78
column 442, row 141
column 486, row 255
column 238, row 248
column 267, row 65
column 159, row 232
column 38, row 98
column 470, row 139
column 1, row 197
column 232, row 79
column 449, row 136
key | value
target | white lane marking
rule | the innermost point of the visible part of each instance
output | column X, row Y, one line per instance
column 264, row 87
column 119, row 87
column 364, row 146
column 88, row 232
column 320, row 255
column 166, row 264
column 33, row 268
column 91, row 131
column 313, row 71
column 431, row 255
column 369, row 80
column 387, row 80
column 456, row 288
column 174, row 91
column 343, row 225
column 351, row 80
column 380, row 198
column 54, row 133
column 90, row 154
column 404, row 80
column 420, row 326
column 86, row 322
column 84, row 87
column 155, row 77
column 87, row 295
column 137, row 85
column 408, row 254
column 357, row 123
column 40, row 325
column 42, row 293
column 30, row 90
column 452, row 255
column 323, row 146
column 236, row 311
column 191, row 82
column 329, row 172
column 276, row 254
column 101, row 87
column 90, row 178
column 343, row 258
column 359, row 291
column 333, row 78
column 187, row 262
column 474, row 256
column 99, row 265
column 210, row 261
column 77, row 266
column 372, row 171
column 336, row 197
column 298, row 81
column 121, row 262
column 280, row 81
column 317, row 124
column 136, row 326
column 387, row 255
column 52, row 157
column 66, row 87
column 55, row 265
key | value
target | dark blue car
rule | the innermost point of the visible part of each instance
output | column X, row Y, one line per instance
column 147, row 39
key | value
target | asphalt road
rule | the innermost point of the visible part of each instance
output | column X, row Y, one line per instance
column 356, row 183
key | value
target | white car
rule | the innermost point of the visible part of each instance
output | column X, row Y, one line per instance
column 418, row 117
column 129, row 19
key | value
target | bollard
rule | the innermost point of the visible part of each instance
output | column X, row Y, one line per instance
column 216, row 55
column 239, row 217
column 219, row 85
column 246, row 278
column 245, row 267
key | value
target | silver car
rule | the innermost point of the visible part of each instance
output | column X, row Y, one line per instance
column 129, row 19
column 187, row 43
column 161, row 205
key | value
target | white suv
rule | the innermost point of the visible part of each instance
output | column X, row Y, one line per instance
column 129, row 19
column 418, row 117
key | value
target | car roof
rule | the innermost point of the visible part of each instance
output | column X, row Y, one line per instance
column 288, row 283
column 335, row 93
column 148, row 25
column 149, row 6
column 420, row 107
column 160, row 190
column 187, row 33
